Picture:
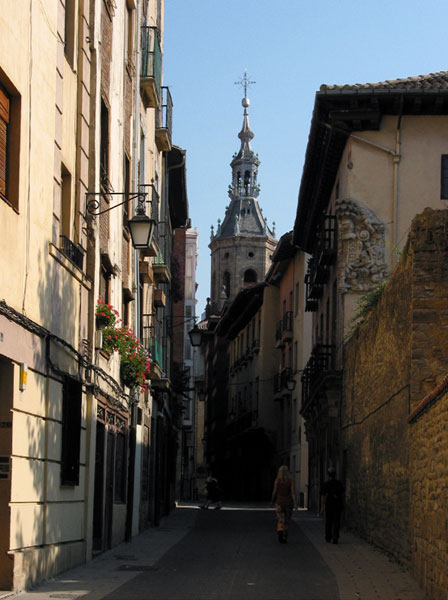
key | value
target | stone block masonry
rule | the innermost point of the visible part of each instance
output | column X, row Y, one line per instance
column 395, row 411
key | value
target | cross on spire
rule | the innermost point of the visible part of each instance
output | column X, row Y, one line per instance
column 244, row 82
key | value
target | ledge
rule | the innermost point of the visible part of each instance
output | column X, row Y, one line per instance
column 69, row 266
column 428, row 400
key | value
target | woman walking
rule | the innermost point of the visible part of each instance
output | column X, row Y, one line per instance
column 285, row 502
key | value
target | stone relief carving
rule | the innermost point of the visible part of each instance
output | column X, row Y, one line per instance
column 361, row 258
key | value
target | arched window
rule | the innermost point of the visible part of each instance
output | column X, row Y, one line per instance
column 226, row 283
column 250, row 276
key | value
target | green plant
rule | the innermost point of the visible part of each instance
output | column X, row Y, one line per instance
column 105, row 314
column 368, row 301
column 135, row 363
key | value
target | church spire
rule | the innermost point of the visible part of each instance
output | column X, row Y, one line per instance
column 243, row 215
column 246, row 134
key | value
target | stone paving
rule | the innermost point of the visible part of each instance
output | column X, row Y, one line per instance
column 361, row 571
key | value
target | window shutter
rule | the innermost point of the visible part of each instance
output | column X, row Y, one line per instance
column 4, row 120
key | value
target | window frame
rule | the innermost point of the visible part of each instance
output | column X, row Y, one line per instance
column 71, row 431
column 444, row 177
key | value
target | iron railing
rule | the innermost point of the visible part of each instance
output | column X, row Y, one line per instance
column 320, row 362
column 281, row 380
column 323, row 257
column 165, row 112
column 72, row 251
column 151, row 61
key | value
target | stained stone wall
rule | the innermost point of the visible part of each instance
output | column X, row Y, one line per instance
column 374, row 419
column 429, row 492
column 394, row 414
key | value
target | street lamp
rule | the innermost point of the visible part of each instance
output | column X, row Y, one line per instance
column 195, row 335
column 291, row 384
column 140, row 226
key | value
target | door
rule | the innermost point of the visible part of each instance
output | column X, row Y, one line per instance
column 99, row 489
column 6, row 392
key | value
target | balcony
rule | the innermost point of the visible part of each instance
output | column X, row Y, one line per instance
column 154, row 248
column 146, row 274
column 151, row 67
column 318, row 367
column 280, row 386
column 155, row 349
column 164, row 121
column 324, row 256
column 159, row 298
column 161, row 270
column 284, row 329
column 73, row 252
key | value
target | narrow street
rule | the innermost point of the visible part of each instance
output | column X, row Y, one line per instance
column 233, row 554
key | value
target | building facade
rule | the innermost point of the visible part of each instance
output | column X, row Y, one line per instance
column 362, row 183
column 87, row 440
column 241, row 251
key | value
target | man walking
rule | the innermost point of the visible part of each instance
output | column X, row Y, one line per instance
column 332, row 492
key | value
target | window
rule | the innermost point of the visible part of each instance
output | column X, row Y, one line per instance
column 250, row 276
column 71, row 431
column 444, row 177
column 69, row 30
column 104, row 146
column 9, row 147
column 66, row 204
column 129, row 33
column 4, row 123
column 127, row 189
column 226, row 284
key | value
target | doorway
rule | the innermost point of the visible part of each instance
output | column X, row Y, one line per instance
column 6, row 396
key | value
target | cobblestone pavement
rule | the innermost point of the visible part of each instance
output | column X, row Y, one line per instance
column 233, row 555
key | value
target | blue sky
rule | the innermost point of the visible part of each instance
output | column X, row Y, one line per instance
column 289, row 48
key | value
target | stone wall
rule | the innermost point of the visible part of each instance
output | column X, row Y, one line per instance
column 374, row 419
column 394, row 411
column 429, row 492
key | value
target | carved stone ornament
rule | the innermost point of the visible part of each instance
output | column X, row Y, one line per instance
column 361, row 260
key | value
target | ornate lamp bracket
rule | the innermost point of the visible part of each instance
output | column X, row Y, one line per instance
column 93, row 201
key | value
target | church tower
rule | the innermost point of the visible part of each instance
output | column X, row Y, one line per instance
column 242, row 247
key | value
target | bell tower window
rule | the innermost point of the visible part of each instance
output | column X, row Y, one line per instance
column 250, row 276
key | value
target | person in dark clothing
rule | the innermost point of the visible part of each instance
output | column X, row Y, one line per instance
column 214, row 493
column 332, row 494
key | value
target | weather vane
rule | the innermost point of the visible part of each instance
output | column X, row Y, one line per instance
column 245, row 83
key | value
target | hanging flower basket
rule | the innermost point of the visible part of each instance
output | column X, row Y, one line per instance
column 105, row 315
column 128, row 374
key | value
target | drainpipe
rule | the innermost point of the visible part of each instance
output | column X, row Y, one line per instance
column 136, row 290
column 396, row 159
column 396, row 156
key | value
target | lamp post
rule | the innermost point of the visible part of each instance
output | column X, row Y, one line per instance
column 195, row 335
column 140, row 226
column 291, row 385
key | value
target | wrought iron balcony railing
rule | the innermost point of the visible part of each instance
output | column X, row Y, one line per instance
column 320, row 362
column 154, row 347
column 73, row 252
column 281, row 380
column 164, row 121
column 151, row 66
column 323, row 256
column 284, row 328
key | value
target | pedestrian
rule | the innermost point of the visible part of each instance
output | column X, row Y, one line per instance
column 332, row 501
column 284, row 498
column 214, row 493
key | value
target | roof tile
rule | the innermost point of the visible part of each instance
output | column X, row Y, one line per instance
column 430, row 81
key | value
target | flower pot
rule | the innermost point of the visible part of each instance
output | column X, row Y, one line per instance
column 127, row 375
column 101, row 322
